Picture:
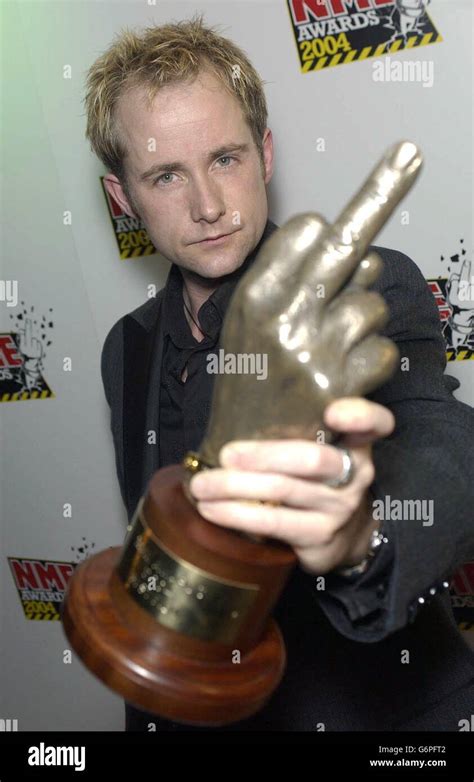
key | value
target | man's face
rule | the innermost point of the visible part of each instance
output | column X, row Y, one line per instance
column 206, row 178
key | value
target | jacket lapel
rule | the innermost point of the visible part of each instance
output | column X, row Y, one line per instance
column 143, row 348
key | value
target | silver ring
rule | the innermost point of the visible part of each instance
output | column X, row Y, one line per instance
column 347, row 471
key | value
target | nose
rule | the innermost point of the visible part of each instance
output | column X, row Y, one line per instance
column 207, row 202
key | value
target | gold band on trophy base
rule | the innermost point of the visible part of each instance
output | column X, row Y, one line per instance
column 178, row 594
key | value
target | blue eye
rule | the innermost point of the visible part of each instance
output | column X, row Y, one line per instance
column 158, row 179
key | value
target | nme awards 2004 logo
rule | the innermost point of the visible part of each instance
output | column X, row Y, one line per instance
column 41, row 584
column 130, row 233
column 22, row 355
column 454, row 296
column 336, row 32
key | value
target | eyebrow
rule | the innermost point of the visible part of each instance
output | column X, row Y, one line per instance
column 163, row 168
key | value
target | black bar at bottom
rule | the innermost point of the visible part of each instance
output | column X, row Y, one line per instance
column 68, row 755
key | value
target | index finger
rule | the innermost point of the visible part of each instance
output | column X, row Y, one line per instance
column 296, row 457
column 342, row 245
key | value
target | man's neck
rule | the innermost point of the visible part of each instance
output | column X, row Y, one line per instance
column 196, row 290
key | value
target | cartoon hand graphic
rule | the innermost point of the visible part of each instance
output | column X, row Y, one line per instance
column 304, row 303
column 32, row 351
column 29, row 345
column 460, row 288
column 460, row 297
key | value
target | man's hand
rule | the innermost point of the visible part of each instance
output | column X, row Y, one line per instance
column 328, row 528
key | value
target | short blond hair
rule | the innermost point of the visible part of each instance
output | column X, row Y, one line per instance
column 158, row 56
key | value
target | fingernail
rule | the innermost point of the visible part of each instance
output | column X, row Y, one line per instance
column 205, row 508
column 197, row 483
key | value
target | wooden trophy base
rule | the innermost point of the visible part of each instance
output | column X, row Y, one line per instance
column 199, row 646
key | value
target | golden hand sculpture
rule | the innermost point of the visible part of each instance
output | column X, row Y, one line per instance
column 304, row 304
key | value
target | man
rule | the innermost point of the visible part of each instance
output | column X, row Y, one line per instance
column 178, row 116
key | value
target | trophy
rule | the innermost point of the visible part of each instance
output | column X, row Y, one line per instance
column 178, row 620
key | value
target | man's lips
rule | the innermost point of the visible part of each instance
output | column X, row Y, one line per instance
column 214, row 239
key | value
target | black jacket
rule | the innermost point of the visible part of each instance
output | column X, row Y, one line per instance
column 348, row 667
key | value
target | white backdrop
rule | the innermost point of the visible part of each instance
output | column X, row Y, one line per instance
column 58, row 450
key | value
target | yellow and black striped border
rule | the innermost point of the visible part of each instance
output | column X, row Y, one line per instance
column 40, row 616
column 465, row 354
column 138, row 252
column 356, row 55
column 22, row 396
